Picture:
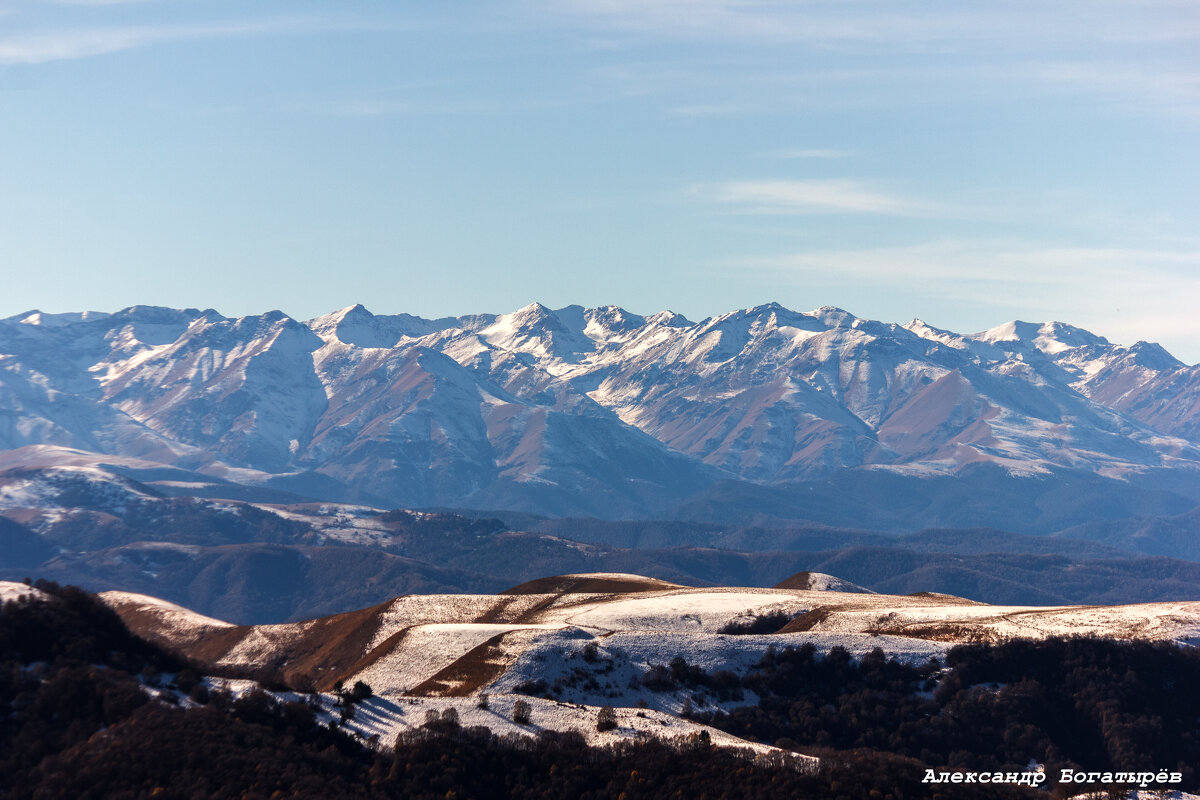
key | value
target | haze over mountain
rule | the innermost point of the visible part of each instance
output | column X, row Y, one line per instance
column 270, row 562
column 819, row 415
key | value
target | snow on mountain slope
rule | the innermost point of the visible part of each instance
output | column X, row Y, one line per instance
column 541, row 333
column 147, row 613
column 58, row 487
column 385, row 719
column 244, row 390
column 355, row 325
column 37, row 456
column 1142, row 381
column 769, row 394
column 417, row 427
column 576, row 410
column 1147, row 387
column 820, row 582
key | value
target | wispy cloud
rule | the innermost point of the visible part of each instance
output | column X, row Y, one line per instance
column 766, row 21
column 37, row 48
column 916, row 26
column 835, row 196
column 1138, row 54
column 990, row 260
column 1162, row 86
column 63, row 45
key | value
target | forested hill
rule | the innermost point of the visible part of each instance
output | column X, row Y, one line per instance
column 88, row 710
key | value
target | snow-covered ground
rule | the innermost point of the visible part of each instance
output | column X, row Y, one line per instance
column 1176, row 621
column 185, row 626
column 677, row 610
column 472, row 653
column 592, row 649
column 11, row 590
column 380, row 719
column 385, row 718
column 417, row 636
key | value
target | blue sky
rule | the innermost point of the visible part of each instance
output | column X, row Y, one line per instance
column 965, row 165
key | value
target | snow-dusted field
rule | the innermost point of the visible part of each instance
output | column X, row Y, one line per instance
column 381, row 719
column 699, row 611
column 177, row 618
column 422, row 653
column 384, row 717
column 11, row 590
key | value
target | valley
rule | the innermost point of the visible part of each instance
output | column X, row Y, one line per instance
column 254, row 561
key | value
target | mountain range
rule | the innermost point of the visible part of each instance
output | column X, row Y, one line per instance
column 820, row 416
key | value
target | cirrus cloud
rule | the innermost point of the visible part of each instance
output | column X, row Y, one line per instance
column 1126, row 293
column 812, row 196
column 75, row 43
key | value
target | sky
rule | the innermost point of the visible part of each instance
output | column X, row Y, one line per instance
column 962, row 163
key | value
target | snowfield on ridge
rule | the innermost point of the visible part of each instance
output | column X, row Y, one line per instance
column 421, row 653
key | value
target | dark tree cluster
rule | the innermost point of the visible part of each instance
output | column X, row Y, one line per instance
column 606, row 719
column 436, row 762
column 72, row 626
column 435, row 525
column 679, row 674
column 356, row 694
column 1081, row 703
column 757, row 624
column 593, row 676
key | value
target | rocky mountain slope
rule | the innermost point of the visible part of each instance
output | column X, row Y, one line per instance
column 610, row 414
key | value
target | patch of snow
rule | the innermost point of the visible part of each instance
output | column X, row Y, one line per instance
column 11, row 590
column 262, row 641
column 683, row 610
column 424, row 650
column 381, row 719
column 173, row 620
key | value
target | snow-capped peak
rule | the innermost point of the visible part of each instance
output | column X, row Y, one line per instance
column 669, row 319
column 357, row 326
column 833, row 317
column 537, row 330
column 610, row 322
column 42, row 319
column 1051, row 338
column 1153, row 356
